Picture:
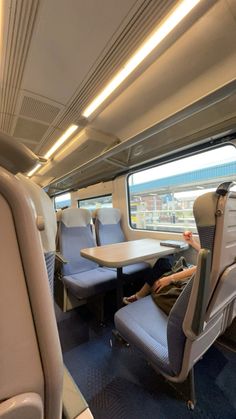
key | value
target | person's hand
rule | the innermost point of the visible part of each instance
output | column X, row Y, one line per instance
column 188, row 237
column 161, row 283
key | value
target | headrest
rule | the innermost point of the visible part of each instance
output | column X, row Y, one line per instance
column 204, row 209
column 15, row 157
column 76, row 217
column 44, row 208
column 108, row 215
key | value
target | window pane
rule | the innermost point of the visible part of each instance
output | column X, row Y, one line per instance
column 62, row 201
column 161, row 198
column 91, row 204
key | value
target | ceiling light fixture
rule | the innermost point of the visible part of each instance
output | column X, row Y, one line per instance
column 171, row 21
column 61, row 140
column 56, row 145
column 29, row 174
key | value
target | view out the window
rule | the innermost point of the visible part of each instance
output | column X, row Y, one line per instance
column 62, row 201
column 162, row 197
column 96, row 202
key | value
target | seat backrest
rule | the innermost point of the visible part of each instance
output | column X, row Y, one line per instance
column 45, row 213
column 223, row 270
column 108, row 227
column 31, row 375
column 75, row 234
column 207, row 305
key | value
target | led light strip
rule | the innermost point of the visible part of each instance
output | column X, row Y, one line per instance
column 155, row 39
column 29, row 174
column 61, row 140
column 171, row 21
column 55, row 146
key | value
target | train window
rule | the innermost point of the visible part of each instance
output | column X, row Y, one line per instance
column 62, row 201
column 161, row 198
column 92, row 204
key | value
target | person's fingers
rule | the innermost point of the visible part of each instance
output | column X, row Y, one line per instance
column 160, row 288
column 156, row 287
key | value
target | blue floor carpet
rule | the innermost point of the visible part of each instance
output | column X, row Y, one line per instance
column 118, row 383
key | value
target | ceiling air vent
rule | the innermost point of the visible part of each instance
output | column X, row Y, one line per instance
column 36, row 109
column 29, row 130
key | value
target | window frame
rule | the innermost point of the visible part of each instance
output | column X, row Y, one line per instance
column 95, row 197
column 197, row 150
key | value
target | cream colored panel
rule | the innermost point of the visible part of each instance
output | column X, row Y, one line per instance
column 85, row 415
column 99, row 189
column 20, row 363
column 75, row 35
column 23, row 406
column 191, row 68
column 73, row 402
column 44, row 208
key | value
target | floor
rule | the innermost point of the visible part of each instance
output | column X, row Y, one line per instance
column 118, row 383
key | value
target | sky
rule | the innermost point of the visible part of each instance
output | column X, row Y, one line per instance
column 64, row 197
column 206, row 159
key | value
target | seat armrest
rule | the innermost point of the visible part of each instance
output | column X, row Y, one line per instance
column 74, row 404
column 60, row 258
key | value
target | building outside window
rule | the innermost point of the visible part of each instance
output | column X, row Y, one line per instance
column 92, row 204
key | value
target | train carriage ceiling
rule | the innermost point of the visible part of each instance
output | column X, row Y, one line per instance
column 56, row 55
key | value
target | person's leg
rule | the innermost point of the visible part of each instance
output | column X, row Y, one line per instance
column 145, row 290
column 161, row 266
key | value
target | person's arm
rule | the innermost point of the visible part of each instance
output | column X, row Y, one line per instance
column 178, row 276
column 188, row 237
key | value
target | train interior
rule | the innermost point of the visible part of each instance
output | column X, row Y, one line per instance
column 118, row 116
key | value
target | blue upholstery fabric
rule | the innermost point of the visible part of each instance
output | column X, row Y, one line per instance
column 175, row 335
column 143, row 324
column 112, row 233
column 207, row 235
column 109, row 233
column 92, row 282
column 73, row 239
column 50, row 264
column 81, row 276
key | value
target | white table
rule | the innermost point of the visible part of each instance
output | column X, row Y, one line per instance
column 122, row 254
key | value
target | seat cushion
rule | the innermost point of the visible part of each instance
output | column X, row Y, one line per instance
column 144, row 325
column 92, row 282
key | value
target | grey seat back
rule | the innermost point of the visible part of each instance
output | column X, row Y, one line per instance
column 75, row 234
column 207, row 305
column 108, row 226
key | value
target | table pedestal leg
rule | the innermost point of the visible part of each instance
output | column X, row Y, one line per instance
column 119, row 292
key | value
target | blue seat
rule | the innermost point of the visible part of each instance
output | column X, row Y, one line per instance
column 108, row 231
column 205, row 308
column 81, row 276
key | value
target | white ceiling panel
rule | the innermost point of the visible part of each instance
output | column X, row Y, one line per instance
column 68, row 39
column 199, row 62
